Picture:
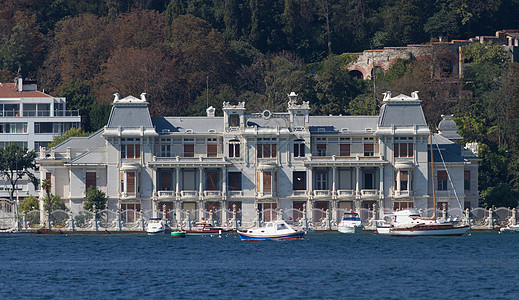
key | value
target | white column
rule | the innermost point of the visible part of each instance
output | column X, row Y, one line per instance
column 201, row 185
column 334, row 186
column 310, row 186
column 381, row 185
column 224, row 182
column 357, row 180
column 177, row 182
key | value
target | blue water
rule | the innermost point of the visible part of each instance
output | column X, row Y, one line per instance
column 481, row 265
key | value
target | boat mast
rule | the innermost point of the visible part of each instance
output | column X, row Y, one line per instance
column 432, row 176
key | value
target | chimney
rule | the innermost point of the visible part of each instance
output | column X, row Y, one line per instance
column 20, row 84
column 210, row 111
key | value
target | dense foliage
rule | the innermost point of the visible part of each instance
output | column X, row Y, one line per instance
column 186, row 54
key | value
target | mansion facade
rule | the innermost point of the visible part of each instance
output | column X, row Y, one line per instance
column 256, row 163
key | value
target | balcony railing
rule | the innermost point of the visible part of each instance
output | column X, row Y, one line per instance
column 368, row 193
column 235, row 193
column 322, row 193
column 166, row 194
column 212, row 194
column 345, row 193
column 189, row 194
column 402, row 194
column 44, row 113
column 299, row 193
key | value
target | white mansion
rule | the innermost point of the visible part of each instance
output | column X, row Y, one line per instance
column 259, row 162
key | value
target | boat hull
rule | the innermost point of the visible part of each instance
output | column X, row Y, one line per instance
column 429, row 230
column 207, row 232
column 350, row 229
column 384, row 230
column 178, row 234
column 298, row 235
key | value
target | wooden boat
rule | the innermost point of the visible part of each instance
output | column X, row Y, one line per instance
column 276, row 230
column 423, row 226
column 350, row 223
column 204, row 228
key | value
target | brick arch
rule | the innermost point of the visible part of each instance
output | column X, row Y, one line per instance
column 355, row 69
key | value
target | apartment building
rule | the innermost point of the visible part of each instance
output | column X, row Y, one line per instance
column 257, row 163
column 30, row 118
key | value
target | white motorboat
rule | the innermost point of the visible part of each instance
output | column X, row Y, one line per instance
column 156, row 226
column 275, row 230
column 509, row 228
column 350, row 223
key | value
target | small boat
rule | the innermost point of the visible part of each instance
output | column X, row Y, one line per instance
column 156, row 226
column 204, row 228
column 509, row 228
column 429, row 229
column 415, row 225
column 398, row 218
column 178, row 233
column 276, row 230
column 350, row 223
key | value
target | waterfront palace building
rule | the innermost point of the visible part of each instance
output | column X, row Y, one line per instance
column 257, row 163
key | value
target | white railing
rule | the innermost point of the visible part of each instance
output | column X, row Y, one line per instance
column 299, row 193
column 189, row 194
column 212, row 194
column 235, row 193
column 321, row 193
column 368, row 193
column 345, row 193
column 167, row 194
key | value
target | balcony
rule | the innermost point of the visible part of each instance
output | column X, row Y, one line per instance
column 125, row 195
column 322, row 193
column 189, row 194
column 402, row 194
column 368, row 193
column 47, row 113
column 212, row 194
column 166, row 194
column 299, row 193
column 233, row 194
column 346, row 194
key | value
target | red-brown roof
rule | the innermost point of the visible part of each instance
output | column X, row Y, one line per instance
column 9, row 90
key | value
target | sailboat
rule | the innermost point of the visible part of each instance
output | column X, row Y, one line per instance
column 424, row 226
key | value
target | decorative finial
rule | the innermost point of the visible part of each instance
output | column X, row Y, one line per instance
column 116, row 97
column 143, row 96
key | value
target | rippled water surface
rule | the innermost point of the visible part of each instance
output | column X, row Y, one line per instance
column 481, row 265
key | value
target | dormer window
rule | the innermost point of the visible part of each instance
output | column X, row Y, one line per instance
column 234, row 120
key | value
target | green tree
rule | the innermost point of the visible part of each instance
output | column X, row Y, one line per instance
column 80, row 97
column 55, row 203
column 29, row 204
column 72, row 132
column 363, row 105
column 17, row 163
column 501, row 195
column 94, row 197
column 334, row 88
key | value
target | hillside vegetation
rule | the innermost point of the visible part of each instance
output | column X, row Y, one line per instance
column 183, row 53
